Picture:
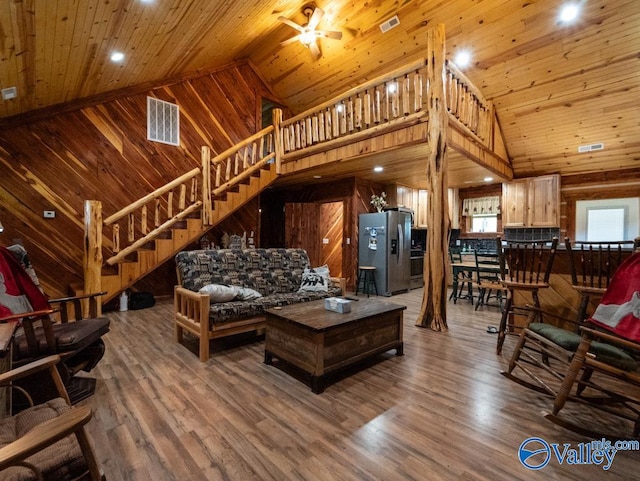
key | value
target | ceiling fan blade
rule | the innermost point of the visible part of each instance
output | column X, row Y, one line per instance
column 333, row 35
column 290, row 23
column 316, row 16
column 315, row 50
column 290, row 41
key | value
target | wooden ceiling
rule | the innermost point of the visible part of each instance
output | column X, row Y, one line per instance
column 554, row 86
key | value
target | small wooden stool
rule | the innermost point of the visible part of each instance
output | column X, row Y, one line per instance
column 368, row 275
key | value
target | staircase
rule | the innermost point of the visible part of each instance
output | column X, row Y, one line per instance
column 135, row 265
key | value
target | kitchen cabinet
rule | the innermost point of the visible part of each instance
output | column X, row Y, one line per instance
column 531, row 202
column 416, row 200
column 421, row 208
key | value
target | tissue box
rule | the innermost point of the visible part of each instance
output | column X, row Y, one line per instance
column 337, row 304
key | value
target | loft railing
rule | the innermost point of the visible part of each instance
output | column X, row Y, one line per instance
column 391, row 101
column 467, row 106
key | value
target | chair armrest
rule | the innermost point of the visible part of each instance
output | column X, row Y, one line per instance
column 65, row 304
column 610, row 338
column 28, row 369
column 45, row 434
column 17, row 317
column 80, row 297
column 340, row 282
column 554, row 315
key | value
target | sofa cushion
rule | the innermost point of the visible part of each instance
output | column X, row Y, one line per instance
column 235, row 310
column 316, row 279
column 62, row 460
column 218, row 292
column 268, row 271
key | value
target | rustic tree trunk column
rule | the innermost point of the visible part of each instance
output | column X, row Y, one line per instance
column 93, row 249
column 433, row 312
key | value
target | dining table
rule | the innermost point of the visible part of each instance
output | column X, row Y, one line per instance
column 468, row 266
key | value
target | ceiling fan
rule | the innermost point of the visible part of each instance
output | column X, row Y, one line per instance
column 308, row 35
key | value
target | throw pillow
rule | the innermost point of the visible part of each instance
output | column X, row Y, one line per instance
column 246, row 294
column 316, row 279
column 219, row 292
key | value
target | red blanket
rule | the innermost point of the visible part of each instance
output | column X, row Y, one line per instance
column 18, row 293
column 619, row 310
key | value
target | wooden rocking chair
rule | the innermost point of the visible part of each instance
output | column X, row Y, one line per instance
column 602, row 361
column 50, row 326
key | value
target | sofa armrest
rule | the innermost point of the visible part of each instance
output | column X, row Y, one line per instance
column 191, row 311
column 340, row 282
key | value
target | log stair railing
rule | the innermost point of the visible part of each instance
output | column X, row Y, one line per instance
column 167, row 220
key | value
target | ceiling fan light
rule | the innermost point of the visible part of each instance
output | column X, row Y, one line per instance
column 307, row 37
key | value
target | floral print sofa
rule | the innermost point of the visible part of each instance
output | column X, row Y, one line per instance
column 277, row 274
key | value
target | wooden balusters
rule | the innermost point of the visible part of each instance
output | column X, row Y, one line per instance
column 131, row 228
column 377, row 113
column 406, row 92
column 116, row 238
column 367, row 108
column 156, row 213
column 144, row 228
column 182, row 201
column 417, row 91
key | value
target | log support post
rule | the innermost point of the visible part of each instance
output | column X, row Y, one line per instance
column 93, row 249
column 433, row 312
column 277, row 139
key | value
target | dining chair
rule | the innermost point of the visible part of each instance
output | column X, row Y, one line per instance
column 462, row 277
column 592, row 264
column 525, row 268
column 487, row 279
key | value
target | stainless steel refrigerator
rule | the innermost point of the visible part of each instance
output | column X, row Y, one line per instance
column 384, row 242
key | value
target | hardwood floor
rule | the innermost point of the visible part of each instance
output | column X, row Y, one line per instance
column 440, row 412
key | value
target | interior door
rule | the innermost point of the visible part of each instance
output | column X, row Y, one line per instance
column 332, row 231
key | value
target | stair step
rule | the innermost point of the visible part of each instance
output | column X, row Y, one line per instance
column 181, row 224
column 148, row 246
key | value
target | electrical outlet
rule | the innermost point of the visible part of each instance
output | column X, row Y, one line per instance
column 49, row 214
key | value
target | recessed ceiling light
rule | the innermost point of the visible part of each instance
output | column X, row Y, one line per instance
column 488, row 179
column 569, row 13
column 317, row 177
column 117, row 57
column 462, row 59
column 378, row 168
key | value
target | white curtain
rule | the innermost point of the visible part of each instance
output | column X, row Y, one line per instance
column 481, row 205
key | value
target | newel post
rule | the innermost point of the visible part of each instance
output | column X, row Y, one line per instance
column 93, row 248
column 433, row 312
column 277, row 138
column 206, row 185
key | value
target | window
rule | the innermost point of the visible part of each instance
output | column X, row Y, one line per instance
column 484, row 223
column 607, row 219
column 163, row 121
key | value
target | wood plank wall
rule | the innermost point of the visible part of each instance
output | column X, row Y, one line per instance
column 102, row 153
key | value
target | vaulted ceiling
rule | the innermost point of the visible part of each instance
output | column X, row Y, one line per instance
column 555, row 86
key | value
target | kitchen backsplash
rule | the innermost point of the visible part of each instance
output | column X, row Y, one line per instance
column 510, row 233
column 537, row 233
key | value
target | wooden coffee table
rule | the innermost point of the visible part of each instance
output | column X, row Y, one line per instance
column 319, row 341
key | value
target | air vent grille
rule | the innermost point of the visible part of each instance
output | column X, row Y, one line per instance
column 389, row 24
column 163, row 121
column 590, row 147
